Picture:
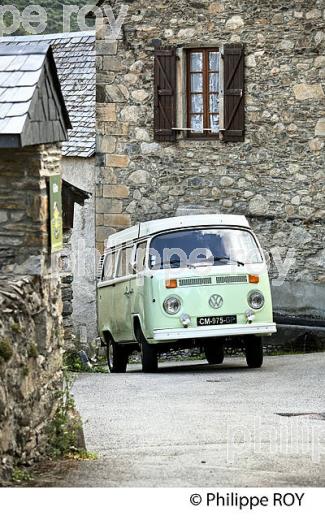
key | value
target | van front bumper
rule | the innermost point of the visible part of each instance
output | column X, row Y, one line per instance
column 265, row 329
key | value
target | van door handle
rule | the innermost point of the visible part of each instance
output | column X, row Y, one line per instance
column 127, row 292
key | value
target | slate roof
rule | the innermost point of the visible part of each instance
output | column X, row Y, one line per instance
column 32, row 108
column 75, row 58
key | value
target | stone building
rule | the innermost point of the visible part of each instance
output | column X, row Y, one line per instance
column 218, row 106
column 33, row 122
column 74, row 55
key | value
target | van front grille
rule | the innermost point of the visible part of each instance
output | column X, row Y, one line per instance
column 186, row 282
column 240, row 278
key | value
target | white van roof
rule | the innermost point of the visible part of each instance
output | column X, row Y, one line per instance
column 151, row 227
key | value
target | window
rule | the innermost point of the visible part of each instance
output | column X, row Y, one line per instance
column 124, row 264
column 140, row 256
column 204, row 247
column 203, row 92
column 209, row 100
column 109, row 266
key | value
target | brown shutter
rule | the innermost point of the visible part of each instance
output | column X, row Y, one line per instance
column 165, row 94
column 234, row 121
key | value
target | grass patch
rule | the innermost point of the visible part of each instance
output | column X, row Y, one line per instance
column 73, row 363
column 33, row 351
column 6, row 350
column 65, row 431
column 15, row 327
column 20, row 475
column 64, row 428
column 82, row 455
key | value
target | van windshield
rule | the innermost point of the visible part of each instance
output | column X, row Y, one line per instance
column 202, row 247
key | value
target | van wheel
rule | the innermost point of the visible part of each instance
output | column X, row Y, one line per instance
column 214, row 353
column 149, row 354
column 254, row 351
column 117, row 357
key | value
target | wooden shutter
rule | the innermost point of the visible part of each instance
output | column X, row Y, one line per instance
column 165, row 94
column 234, row 120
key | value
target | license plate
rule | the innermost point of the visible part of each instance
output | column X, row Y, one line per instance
column 216, row 320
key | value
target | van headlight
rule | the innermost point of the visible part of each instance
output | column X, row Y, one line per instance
column 255, row 299
column 172, row 305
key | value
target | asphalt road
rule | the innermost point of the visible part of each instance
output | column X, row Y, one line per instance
column 196, row 425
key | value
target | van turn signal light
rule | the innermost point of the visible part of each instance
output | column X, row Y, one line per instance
column 171, row 284
column 253, row 278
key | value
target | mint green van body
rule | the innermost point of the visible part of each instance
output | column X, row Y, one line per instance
column 209, row 296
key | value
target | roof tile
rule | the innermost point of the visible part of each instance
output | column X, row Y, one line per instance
column 78, row 82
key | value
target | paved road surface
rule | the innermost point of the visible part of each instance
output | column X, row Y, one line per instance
column 196, row 425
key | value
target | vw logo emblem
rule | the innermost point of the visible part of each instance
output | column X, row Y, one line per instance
column 216, row 301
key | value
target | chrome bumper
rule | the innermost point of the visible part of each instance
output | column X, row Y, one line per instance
column 214, row 331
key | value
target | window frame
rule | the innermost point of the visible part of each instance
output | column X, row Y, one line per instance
column 206, row 92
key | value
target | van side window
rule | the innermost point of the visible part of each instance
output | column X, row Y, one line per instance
column 140, row 256
column 124, row 267
column 109, row 266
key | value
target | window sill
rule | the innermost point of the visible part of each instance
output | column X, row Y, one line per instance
column 198, row 139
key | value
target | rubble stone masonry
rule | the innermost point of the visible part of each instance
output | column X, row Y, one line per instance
column 275, row 177
column 31, row 333
column 31, row 343
column 24, row 240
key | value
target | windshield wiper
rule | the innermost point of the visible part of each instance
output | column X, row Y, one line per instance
column 178, row 263
column 173, row 261
column 218, row 258
column 207, row 261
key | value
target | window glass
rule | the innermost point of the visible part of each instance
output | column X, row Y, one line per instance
column 140, row 256
column 196, row 82
column 214, row 103
column 203, row 92
column 203, row 247
column 214, row 122
column 197, row 123
column 197, row 103
column 213, row 61
column 214, row 82
column 109, row 266
column 196, row 61
column 124, row 264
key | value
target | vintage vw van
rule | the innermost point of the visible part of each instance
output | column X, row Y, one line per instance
column 178, row 282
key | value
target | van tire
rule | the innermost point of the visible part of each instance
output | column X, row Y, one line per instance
column 214, row 353
column 117, row 357
column 254, row 351
column 149, row 354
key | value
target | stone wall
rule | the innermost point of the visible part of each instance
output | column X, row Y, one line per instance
column 31, row 343
column 83, row 258
column 276, row 177
column 66, row 277
column 31, row 332
column 24, row 207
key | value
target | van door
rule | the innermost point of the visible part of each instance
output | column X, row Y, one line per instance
column 122, row 310
column 106, row 295
column 137, row 281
